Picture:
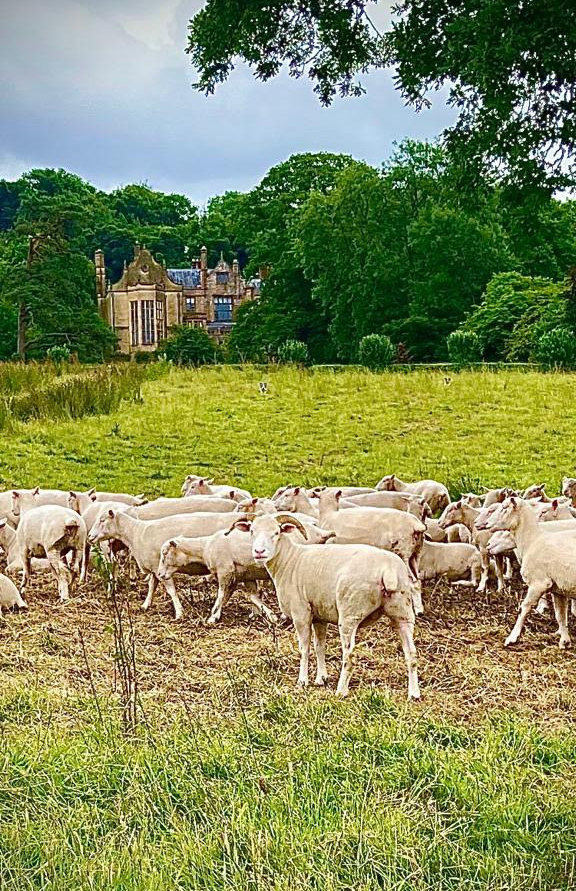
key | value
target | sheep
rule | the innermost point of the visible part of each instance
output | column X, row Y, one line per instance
column 569, row 489
column 81, row 501
column 382, row 527
column 414, row 504
column 10, row 595
column 256, row 506
column 52, row 531
column 144, row 538
column 536, row 491
column 8, row 545
column 472, row 499
column 458, row 512
column 348, row 585
column 453, row 561
column 496, row 496
column 553, row 511
column 295, row 500
column 547, row 562
column 25, row 499
column 90, row 511
column 436, row 494
column 168, row 507
column 228, row 556
column 457, row 532
column 199, row 485
column 347, row 491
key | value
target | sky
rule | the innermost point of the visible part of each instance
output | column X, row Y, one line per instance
column 103, row 88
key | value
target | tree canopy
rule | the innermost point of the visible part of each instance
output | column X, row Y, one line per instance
column 509, row 66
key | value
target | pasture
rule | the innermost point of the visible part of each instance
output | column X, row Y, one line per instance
column 233, row 779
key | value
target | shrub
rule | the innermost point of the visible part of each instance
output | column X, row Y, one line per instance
column 557, row 348
column 376, row 351
column 59, row 353
column 191, row 346
column 464, row 347
column 293, row 352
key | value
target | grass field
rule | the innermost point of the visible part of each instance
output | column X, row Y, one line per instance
column 234, row 780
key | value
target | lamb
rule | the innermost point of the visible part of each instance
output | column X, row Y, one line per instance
column 497, row 496
column 228, row 556
column 168, row 507
column 436, row 494
column 145, row 538
column 548, row 562
column 199, row 485
column 53, row 532
column 457, row 562
column 349, row 585
column 393, row 530
column 10, row 595
column 458, row 512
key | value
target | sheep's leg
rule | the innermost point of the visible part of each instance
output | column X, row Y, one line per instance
column 319, row 631
column 499, row 567
column 508, row 575
column 348, row 641
column 485, row 558
column 152, row 585
column 531, row 599
column 86, row 561
column 302, row 627
column 405, row 631
column 225, row 591
column 572, row 606
column 417, row 598
column 560, row 602
column 26, row 571
column 62, row 573
column 542, row 605
column 171, row 589
column 254, row 599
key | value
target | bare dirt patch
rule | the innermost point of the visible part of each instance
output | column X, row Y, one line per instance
column 466, row 672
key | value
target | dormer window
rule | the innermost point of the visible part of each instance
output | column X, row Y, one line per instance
column 222, row 278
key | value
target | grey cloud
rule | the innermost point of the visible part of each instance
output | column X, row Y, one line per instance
column 103, row 88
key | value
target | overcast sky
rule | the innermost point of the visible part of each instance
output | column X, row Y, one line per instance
column 103, row 88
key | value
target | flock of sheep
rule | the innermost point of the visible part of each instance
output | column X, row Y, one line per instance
column 336, row 555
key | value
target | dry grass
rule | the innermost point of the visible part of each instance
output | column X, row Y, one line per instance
column 466, row 673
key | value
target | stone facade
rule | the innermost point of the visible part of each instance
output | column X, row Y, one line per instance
column 149, row 301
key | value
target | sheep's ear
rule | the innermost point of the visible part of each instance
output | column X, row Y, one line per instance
column 243, row 525
column 513, row 501
column 458, row 503
column 111, row 514
column 72, row 494
column 91, row 491
column 36, row 491
column 231, row 494
column 338, row 495
column 288, row 527
column 555, row 504
column 15, row 494
column 172, row 543
column 3, row 522
column 296, row 490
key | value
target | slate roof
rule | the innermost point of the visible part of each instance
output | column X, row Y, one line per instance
column 188, row 278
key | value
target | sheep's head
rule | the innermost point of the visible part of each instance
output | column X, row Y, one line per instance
column 200, row 486
column 387, row 483
column 266, row 532
column 504, row 516
column 168, row 563
column 501, row 542
column 328, row 498
column 472, row 499
column 451, row 515
column 188, row 481
column 17, row 499
column 569, row 488
column 106, row 526
column 287, row 499
column 535, row 491
column 419, row 507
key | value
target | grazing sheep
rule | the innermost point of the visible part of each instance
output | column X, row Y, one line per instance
column 393, row 530
column 145, row 538
column 547, row 562
column 348, row 585
column 53, row 532
column 10, row 595
column 457, row 562
column 436, row 494
column 458, row 512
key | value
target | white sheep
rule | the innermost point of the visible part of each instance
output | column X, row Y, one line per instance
column 436, row 494
column 547, row 562
column 569, row 489
column 393, row 530
column 406, row 501
column 25, row 499
column 295, row 500
column 227, row 555
column 53, row 532
column 348, row 585
column 168, row 507
column 10, row 595
column 145, row 538
column 347, row 491
column 458, row 512
column 457, row 562
column 199, row 485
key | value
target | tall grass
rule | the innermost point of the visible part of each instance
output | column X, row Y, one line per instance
column 41, row 392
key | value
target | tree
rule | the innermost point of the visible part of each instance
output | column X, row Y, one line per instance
column 510, row 67
column 190, row 346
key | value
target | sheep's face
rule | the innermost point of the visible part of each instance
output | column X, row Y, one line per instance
column 168, row 562
column 189, row 481
column 472, row 499
column 451, row 515
column 502, row 516
column 73, row 502
column 266, row 533
column 17, row 499
column 387, row 483
column 287, row 499
column 535, row 491
column 106, row 526
column 500, row 543
column 569, row 487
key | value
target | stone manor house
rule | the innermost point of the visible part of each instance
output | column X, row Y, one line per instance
column 148, row 301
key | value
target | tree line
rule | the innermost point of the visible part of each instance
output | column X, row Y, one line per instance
column 347, row 250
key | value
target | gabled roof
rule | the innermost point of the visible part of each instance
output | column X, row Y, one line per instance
column 188, row 278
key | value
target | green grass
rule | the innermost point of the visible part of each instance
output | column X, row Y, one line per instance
column 255, row 787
